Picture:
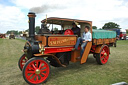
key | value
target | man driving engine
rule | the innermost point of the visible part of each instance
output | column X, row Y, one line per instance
column 75, row 29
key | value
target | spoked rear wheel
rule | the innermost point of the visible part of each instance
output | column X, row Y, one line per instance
column 36, row 71
column 23, row 59
column 103, row 56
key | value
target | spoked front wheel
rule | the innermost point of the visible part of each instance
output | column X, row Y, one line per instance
column 23, row 59
column 36, row 71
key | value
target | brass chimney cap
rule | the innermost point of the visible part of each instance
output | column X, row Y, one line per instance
column 31, row 14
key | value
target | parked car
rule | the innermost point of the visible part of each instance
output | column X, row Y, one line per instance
column 126, row 37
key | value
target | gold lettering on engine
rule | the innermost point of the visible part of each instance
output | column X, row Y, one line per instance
column 62, row 41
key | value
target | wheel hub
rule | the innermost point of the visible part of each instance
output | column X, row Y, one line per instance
column 37, row 71
column 105, row 54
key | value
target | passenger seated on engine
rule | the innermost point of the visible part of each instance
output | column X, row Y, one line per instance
column 83, row 40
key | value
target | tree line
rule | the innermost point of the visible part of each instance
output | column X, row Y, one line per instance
column 16, row 32
column 109, row 25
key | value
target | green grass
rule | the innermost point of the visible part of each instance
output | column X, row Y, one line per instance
column 20, row 40
column 90, row 73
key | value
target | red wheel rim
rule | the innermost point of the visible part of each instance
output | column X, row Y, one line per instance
column 23, row 61
column 37, row 71
column 104, row 54
column 68, row 32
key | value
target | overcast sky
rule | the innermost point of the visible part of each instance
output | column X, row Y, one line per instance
column 13, row 13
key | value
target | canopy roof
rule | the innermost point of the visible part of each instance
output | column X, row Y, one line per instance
column 60, row 21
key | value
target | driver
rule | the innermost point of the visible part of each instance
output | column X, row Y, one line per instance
column 75, row 29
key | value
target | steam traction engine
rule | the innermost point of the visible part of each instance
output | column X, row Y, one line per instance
column 46, row 48
column 2, row 35
column 12, row 36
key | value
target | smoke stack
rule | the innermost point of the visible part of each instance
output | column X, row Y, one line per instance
column 31, row 16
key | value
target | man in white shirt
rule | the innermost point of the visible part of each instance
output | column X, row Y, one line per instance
column 87, row 36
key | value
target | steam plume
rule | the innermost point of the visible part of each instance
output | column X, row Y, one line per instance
column 44, row 8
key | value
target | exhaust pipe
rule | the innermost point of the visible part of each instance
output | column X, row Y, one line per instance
column 31, row 16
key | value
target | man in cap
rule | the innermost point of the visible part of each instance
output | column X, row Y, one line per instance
column 75, row 29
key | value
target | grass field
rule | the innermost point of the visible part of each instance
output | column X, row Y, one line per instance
column 90, row 73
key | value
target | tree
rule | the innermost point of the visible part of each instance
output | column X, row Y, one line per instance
column 37, row 29
column 27, row 30
column 55, row 30
column 127, row 32
column 8, row 32
column 20, row 32
column 12, row 31
column 111, row 25
column 94, row 27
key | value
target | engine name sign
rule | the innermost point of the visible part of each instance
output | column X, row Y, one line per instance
column 61, row 41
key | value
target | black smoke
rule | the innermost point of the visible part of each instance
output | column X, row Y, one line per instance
column 45, row 8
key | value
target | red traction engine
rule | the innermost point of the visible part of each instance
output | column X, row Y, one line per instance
column 47, row 49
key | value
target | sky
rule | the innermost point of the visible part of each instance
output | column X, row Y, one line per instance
column 13, row 13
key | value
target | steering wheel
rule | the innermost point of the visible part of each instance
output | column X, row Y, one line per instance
column 68, row 32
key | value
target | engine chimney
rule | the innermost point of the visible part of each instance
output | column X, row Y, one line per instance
column 31, row 21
